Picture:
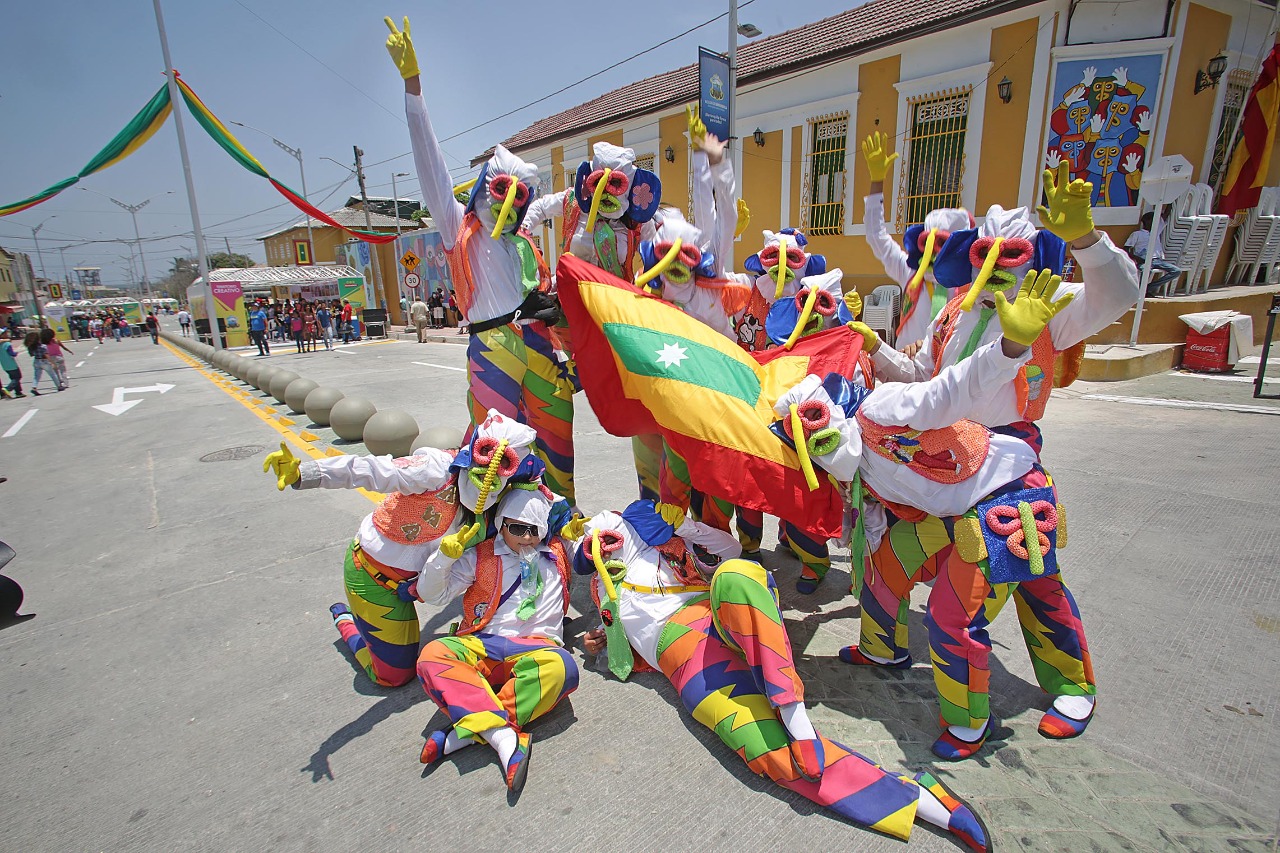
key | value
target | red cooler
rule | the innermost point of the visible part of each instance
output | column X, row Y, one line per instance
column 1207, row 353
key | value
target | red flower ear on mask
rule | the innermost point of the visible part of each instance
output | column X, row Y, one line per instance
column 1014, row 252
column 500, row 185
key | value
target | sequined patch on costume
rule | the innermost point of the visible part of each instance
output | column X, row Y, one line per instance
column 1020, row 530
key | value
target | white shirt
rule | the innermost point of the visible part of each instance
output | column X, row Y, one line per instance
column 495, row 264
column 893, row 258
column 1110, row 288
column 426, row 471
column 183, row 317
column 645, row 614
column 1139, row 240
column 441, row 584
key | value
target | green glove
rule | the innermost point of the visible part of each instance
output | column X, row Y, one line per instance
column 873, row 152
column 1068, row 214
column 1025, row 318
column 400, row 46
column 285, row 465
column 870, row 340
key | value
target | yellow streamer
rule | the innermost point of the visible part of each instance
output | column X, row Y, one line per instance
column 782, row 266
column 490, row 475
column 595, row 201
column 610, row 591
column 980, row 282
column 804, row 319
column 660, row 267
column 926, row 260
column 464, row 186
column 507, row 204
column 797, row 435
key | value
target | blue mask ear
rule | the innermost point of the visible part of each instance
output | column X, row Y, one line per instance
column 644, row 519
column 707, row 267
column 798, row 236
column 781, row 321
column 952, row 268
column 584, row 200
column 911, row 243
column 817, row 263
column 753, row 265
column 1050, row 252
column 648, row 257
column 845, row 393
column 481, row 187
column 638, row 213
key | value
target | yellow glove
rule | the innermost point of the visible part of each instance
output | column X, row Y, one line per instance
column 1024, row 319
column 671, row 514
column 454, row 544
column 873, row 152
column 575, row 529
column 697, row 130
column 744, row 218
column 285, row 465
column 400, row 46
column 870, row 340
column 853, row 302
column 1068, row 214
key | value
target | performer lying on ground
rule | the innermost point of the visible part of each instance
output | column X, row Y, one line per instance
column 915, row 545
column 434, row 497
column 504, row 666
column 672, row 591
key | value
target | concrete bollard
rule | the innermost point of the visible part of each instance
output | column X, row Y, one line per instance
column 251, row 373
column 319, row 402
column 265, row 375
column 295, row 396
column 349, row 415
column 440, row 437
column 392, row 432
column 279, row 383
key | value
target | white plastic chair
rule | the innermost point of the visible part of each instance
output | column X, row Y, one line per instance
column 880, row 311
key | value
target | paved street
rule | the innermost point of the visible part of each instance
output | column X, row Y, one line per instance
column 182, row 687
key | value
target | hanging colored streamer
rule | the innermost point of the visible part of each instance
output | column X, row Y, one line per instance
column 240, row 154
column 135, row 134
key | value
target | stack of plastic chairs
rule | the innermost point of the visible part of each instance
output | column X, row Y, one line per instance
column 880, row 311
column 1198, row 277
column 1185, row 237
column 1257, row 240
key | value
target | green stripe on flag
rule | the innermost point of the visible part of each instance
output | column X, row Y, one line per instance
column 663, row 355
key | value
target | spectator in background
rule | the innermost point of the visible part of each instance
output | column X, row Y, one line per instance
column 347, row 331
column 418, row 315
column 39, row 361
column 296, row 327
column 184, row 321
column 258, row 329
column 153, row 327
column 1162, row 271
column 9, row 364
column 325, row 321
column 57, row 362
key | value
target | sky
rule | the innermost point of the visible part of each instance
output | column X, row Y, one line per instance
column 315, row 76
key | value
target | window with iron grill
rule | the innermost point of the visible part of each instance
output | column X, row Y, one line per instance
column 1239, row 82
column 645, row 161
column 824, row 192
column 933, row 170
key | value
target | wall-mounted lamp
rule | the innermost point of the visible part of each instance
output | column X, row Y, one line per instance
column 1005, row 89
column 1209, row 77
column 670, row 154
column 758, row 136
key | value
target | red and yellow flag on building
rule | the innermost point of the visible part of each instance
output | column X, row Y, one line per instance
column 647, row 367
column 1252, row 157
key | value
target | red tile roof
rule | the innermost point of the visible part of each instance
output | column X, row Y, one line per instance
column 850, row 33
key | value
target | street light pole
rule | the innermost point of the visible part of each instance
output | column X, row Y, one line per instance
column 735, row 149
column 368, row 224
column 395, row 195
column 137, row 238
column 296, row 153
column 35, row 297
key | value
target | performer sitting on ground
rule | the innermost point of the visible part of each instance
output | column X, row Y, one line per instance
column 916, row 545
column 500, row 283
column 504, row 666
column 434, row 498
column 672, row 591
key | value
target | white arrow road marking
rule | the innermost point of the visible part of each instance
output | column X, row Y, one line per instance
column 119, row 405
column 81, row 364
column 22, row 421
column 441, row 366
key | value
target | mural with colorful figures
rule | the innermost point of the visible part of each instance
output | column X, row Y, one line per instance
column 1101, row 122
column 433, row 266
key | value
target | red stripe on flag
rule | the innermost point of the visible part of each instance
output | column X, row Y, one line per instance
column 316, row 213
column 1257, row 135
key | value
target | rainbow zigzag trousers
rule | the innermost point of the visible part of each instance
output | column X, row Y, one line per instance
column 384, row 635
column 514, row 369
column 484, row 681
column 729, row 657
column 962, row 604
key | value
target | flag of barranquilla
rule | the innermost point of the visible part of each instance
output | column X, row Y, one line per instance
column 647, row 367
column 1252, row 158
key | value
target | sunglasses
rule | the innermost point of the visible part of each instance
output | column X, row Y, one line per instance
column 515, row 528
column 616, row 186
column 501, row 185
column 1014, row 251
column 795, row 257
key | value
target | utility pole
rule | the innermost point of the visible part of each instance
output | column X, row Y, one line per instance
column 227, row 240
column 35, row 297
column 62, row 253
column 735, row 150
column 396, row 196
column 368, row 224
column 137, row 238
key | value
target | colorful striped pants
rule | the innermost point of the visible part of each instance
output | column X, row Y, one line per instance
column 728, row 656
column 384, row 635
column 962, row 605
column 515, row 370
column 483, row 681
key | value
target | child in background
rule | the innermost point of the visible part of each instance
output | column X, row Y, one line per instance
column 9, row 364
column 56, row 359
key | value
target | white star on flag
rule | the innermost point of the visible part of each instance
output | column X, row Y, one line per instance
column 671, row 355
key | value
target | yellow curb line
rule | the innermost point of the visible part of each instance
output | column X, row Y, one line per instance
column 292, row 437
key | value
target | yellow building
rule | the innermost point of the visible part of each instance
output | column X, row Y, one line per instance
column 930, row 74
column 289, row 246
column 8, row 284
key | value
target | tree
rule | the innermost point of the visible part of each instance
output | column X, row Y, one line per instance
column 180, row 276
column 223, row 260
